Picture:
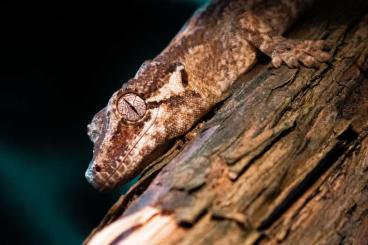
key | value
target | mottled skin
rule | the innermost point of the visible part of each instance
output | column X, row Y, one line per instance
column 172, row 92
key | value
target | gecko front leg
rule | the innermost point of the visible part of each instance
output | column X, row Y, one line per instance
column 263, row 29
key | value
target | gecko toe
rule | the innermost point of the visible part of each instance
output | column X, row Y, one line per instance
column 308, row 60
column 321, row 56
column 291, row 61
column 276, row 61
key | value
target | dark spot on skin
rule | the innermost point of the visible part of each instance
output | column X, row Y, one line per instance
column 98, row 168
column 184, row 77
column 176, row 100
column 153, row 104
column 172, row 67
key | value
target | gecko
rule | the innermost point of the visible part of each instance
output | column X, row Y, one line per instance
column 173, row 91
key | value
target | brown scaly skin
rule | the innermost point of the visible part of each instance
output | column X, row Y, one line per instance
column 172, row 92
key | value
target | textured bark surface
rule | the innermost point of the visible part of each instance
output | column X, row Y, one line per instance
column 283, row 160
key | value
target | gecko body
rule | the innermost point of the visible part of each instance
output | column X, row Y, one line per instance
column 170, row 93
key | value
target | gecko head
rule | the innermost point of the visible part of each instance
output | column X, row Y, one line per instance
column 125, row 137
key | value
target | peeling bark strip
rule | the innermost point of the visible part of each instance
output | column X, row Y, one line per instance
column 283, row 160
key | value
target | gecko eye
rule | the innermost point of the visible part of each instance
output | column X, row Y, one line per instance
column 131, row 107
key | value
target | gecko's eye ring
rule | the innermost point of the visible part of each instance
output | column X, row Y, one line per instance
column 131, row 107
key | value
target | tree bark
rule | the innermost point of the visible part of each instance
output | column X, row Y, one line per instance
column 284, row 159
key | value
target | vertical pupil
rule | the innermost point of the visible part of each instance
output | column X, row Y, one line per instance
column 132, row 107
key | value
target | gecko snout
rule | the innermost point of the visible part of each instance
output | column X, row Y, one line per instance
column 95, row 176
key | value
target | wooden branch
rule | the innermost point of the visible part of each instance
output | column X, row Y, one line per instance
column 284, row 159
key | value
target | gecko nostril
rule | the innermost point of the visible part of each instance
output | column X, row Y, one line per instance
column 98, row 168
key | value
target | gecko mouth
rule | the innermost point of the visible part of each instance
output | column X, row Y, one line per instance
column 105, row 181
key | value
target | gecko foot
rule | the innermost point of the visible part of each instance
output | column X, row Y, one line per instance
column 295, row 52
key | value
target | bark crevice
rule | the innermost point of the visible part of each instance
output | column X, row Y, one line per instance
column 284, row 159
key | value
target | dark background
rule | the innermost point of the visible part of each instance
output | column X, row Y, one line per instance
column 60, row 61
